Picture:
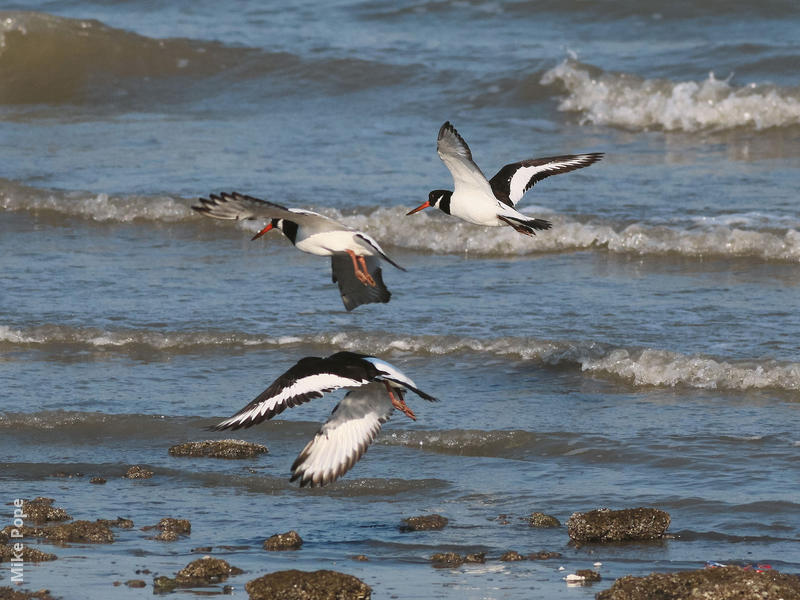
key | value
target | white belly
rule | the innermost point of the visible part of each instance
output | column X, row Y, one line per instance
column 333, row 242
column 475, row 208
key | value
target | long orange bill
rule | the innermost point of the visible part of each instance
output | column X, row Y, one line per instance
column 262, row 232
column 425, row 204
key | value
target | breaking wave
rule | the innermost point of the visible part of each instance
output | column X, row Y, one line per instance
column 94, row 207
column 631, row 102
column 736, row 235
column 634, row 366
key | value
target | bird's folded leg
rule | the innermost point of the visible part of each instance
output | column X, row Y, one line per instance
column 362, row 275
column 400, row 404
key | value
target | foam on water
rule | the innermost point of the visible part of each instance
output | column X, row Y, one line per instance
column 628, row 101
column 663, row 368
column 436, row 233
column 733, row 235
column 95, row 207
column 635, row 366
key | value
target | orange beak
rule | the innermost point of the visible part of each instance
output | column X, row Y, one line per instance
column 262, row 232
column 425, row 204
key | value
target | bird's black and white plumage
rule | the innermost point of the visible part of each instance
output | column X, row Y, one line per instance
column 345, row 436
column 355, row 256
column 377, row 388
column 492, row 202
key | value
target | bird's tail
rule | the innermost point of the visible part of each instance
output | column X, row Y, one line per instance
column 526, row 226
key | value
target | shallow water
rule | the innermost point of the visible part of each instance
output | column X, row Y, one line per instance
column 643, row 352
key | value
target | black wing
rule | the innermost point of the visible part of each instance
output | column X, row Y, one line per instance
column 310, row 378
column 513, row 180
column 354, row 292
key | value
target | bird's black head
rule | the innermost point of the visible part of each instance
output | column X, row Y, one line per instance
column 441, row 200
column 438, row 198
column 288, row 228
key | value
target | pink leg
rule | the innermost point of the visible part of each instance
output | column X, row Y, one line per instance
column 399, row 404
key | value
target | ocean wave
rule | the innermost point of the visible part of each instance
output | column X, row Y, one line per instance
column 434, row 233
column 639, row 367
column 662, row 368
column 46, row 58
column 734, row 235
column 631, row 102
column 95, row 207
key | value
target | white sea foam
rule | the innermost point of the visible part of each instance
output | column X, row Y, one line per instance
column 721, row 235
column 639, row 367
column 628, row 101
column 663, row 368
column 96, row 207
column 440, row 234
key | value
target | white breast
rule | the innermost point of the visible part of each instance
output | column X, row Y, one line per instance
column 476, row 207
column 332, row 242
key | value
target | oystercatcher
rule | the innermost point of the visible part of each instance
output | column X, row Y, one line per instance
column 377, row 388
column 355, row 256
column 491, row 202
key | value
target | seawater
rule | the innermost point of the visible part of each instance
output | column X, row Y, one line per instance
column 643, row 352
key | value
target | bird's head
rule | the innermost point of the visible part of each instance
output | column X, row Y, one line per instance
column 288, row 228
column 438, row 199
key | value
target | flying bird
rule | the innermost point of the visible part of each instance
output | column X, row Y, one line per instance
column 492, row 202
column 376, row 389
column 355, row 256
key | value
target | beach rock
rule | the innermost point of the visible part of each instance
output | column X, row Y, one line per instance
column 606, row 525
column 446, row 560
column 544, row 555
column 360, row 557
column 10, row 593
column 91, row 532
column 182, row 526
column 29, row 554
column 41, row 510
column 231, row 449
column 137, row 472
column 203, row 549
column 204, row 571
column 290, row 540
column 163, row 584
column 722, row 583
column 135, row 583
column 120, row 522
column 77, row 531
column 423, row 523
column 477, row 557
column 511, row 556
column 538, row 519
column 304, row 585
column 26, row 531
column 170, row 529
column 98, row 480
column 588, row 575
column 65, row 475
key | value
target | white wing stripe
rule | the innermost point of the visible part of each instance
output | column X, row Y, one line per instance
column 313, row 383
column 519, row 181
